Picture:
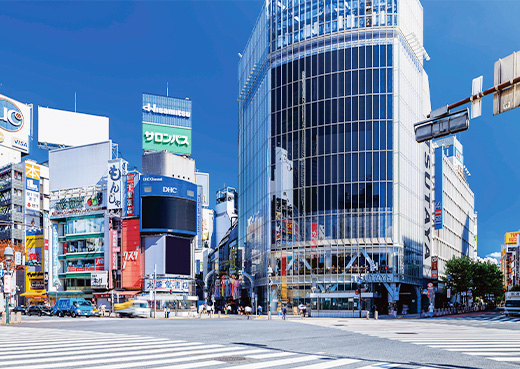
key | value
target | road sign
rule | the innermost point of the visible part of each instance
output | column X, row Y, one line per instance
column 441, row 123
column 430, row 286
column 476, row 104
column 430, row 294
column 507, row 69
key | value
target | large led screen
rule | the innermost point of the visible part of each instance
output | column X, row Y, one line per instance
column 170, row 214
column 178, row 256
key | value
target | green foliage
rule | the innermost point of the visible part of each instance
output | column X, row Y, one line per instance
column 515, row 288
column 484, row 278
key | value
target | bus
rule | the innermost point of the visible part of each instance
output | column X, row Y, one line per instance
column 512, row 306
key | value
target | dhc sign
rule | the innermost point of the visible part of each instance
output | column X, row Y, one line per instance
column 11, row 118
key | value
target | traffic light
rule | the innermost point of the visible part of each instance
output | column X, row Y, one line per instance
column 357, row 291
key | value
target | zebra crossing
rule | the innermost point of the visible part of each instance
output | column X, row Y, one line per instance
column 501, row 345
column 45, row 348
column 489, row 317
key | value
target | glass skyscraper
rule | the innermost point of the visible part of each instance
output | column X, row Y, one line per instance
column 333, row 188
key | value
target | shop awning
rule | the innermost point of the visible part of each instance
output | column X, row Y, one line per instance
column 126, row 293
column 32, row 294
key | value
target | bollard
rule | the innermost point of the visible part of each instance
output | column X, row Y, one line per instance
column 219, row 314
column 368, row 314
column 376, row 315
column 3, row 319
column 12, row 315
column 19, row 317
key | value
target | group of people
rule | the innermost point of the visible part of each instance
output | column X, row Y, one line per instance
column 206, row 309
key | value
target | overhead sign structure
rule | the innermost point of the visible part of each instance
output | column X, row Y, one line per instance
column 507, row 69
column 15, row 124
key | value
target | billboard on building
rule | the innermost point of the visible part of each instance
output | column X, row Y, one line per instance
column 117, row 169
column 157, row 137
column 32, row 186
column 34, row 257
column 15, row 124
column 202, row 179
column 131, row 254
column 511, row 238
column 166, row 124
column 439, row 193
column 131, row 181
column 67, row 128
column 168, row 205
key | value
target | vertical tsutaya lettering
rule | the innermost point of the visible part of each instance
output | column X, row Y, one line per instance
column 427, row 201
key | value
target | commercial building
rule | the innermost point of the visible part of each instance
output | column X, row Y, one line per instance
column 510, row 260
column 226, row 210
column 334, row 191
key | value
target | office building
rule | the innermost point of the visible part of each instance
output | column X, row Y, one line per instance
column 332, row 184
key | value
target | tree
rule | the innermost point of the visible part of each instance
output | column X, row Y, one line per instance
column 487, row 280
column 461, row 272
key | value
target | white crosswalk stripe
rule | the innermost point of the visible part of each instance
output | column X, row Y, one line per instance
column 63, row 348
column 491, row 343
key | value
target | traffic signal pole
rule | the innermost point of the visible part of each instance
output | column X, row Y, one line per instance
column 480, row 95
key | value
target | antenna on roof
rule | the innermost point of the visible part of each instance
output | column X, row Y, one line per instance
column 166, row 89
column 74, row 101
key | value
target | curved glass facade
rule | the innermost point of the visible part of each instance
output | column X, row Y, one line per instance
column 329, row 172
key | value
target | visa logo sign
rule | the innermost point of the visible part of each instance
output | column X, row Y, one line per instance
column 20, row 143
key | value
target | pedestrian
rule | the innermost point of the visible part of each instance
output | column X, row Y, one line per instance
column 103, row 307
column 260, row 310
column 302, row 309
column 430, row 310
column 284, row 312
column 248, row 311
column 167, row 311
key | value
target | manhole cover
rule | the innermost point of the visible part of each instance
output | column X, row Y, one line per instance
column 230, row 358
column 405, row 333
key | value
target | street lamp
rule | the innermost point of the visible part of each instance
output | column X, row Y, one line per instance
column 270, row 283
column 8, row 253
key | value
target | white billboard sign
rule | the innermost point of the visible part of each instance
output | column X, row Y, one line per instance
column 15, row 124
column 67, row 128
column 116, row 170
column 99, row 279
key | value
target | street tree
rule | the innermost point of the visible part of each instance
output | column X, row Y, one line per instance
column 487, row 280
column 461, row 272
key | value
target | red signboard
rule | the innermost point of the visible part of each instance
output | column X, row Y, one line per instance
column 80, row 269
column 435, row 262
column 131, row 254
column 46, row 245
column 115, row 247
column 314, row 234
column 100, row 263
column 130, row 184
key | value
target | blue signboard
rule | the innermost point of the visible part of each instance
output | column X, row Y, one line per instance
column 166, row 110
column 438, row 220
column 154, row 185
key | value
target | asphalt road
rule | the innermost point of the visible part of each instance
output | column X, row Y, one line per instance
column 473, row 341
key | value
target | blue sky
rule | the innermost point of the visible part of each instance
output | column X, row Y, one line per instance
column 111, row 52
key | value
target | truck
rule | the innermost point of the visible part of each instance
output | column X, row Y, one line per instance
column 512, row 305
column 133, row 308
column 73, row 307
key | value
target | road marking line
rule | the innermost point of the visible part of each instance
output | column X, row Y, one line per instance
column 490, row 353
column 379, row 366
column 500, row 349
column 131, row 358
column 511, row 358
column 329, row 364
column 102, row 349
column 168, row 362
column 268, row 356
column 77, row 342
column 282, row 362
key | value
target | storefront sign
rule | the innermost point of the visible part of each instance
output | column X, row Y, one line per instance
column 77, row 204
column 131, row 257
column 80, row 269
column 378, row 277
column 435, row 262
column 116, row 171
column 99, row 263
column 130, row 186
column 55, row 280
column 99, row 279
column 167, row 285
column 439, row 193
column 37, row 284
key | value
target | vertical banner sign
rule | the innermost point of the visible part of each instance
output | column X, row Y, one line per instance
column 427, row 210
column 130, row 184
column 438, row 188
column 116, row 171
column 435, row 268
column 32, row 186
column 115, row 248
column 199, row 217
column 54, row 254
column 314, row 234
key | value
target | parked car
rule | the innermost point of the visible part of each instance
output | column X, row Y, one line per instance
column 39, row 310
column 22, row 309
column 73, row 307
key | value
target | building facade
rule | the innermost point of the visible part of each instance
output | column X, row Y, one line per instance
column 334, row 192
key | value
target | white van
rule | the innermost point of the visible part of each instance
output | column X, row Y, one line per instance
column 133, row 308
column 512, row 306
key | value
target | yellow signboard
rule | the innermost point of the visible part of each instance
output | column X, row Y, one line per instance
column 32, row 171
column 511, row 238
column 34, row 276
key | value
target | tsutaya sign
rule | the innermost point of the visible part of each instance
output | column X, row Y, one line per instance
column 173, row 139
